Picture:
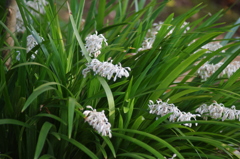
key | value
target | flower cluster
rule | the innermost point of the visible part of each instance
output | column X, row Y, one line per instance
column 207, row 70
column 98, row 121
column 34, row 7
column 151, row 34
column 106, row 69
column 37, row 5
column 217, row 111
column 163, row 108
column 147, row 44
column 212, row 47
column 31, row 43
column 157, row 26
column 94, row 44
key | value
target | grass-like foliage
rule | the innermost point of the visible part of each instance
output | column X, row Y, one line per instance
column 54, row 98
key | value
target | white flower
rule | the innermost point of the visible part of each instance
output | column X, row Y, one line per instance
column 207, row 70
column 18, row 56
column 37, row 6
column 174, row 155
column 34, row 7
column 184, row 25
column 163, row 108
column 31, row 43
column 20, row 28
column 106, row 69
column 94, row 44
column 202, row 109
column 187, row 117
column 217, row 111
column 147, row 44
column 212, row 47
column 151, row 34
column 98, row 121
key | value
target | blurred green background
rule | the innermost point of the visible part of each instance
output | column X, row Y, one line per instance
column 179, row 7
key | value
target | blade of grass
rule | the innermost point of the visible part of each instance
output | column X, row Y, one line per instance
column 110, row 145
column 231, row 33
column 76, row 33
column 111, row 103
column 47, row 156
column 14, row 122
column 140, row 143
column 150, row 136
column 175, row 73
column 79, row 145
column 42, row 138
column 71, row 107
column 52, row 116
column 36, row 92
column 131, row 155
column 100, row 15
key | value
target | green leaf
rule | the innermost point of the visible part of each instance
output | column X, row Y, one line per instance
column 76, row 33
column 71, row 107
column 129, row 112
column 139, row 143
column 213, row 142
column 137, row 122
column 79, row 145
column 101, row 14
column 131, row 155
column 180, row 94
column 147, row 135
column 156, row 123
column 111, row 27
column 137, row 155
column 111, row 103
column 39, row 90
column 175, row 73
column 42, row 138
column 47, row 156
column 101, row 148
column 231, row 33
column 14, row 122
column 51, row 116
column 110, row 145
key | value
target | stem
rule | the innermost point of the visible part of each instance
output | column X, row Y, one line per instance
column 11, row 8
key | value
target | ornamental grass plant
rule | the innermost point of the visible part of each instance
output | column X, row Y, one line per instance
column 111, row 89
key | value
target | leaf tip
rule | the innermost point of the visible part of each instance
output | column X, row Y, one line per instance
column 69, row 10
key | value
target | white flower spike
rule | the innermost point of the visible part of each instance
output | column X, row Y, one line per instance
column 213, row 46
column 207, row 70
column 98, row 121
column 106, row 69
column 31, row 43
column 37, row 5
column 151, row 34
column 34, row 7
column 94, row 44
column 163, row 108
column 219, row 111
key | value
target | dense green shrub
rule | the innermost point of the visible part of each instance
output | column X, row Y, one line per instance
column 45, row 99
